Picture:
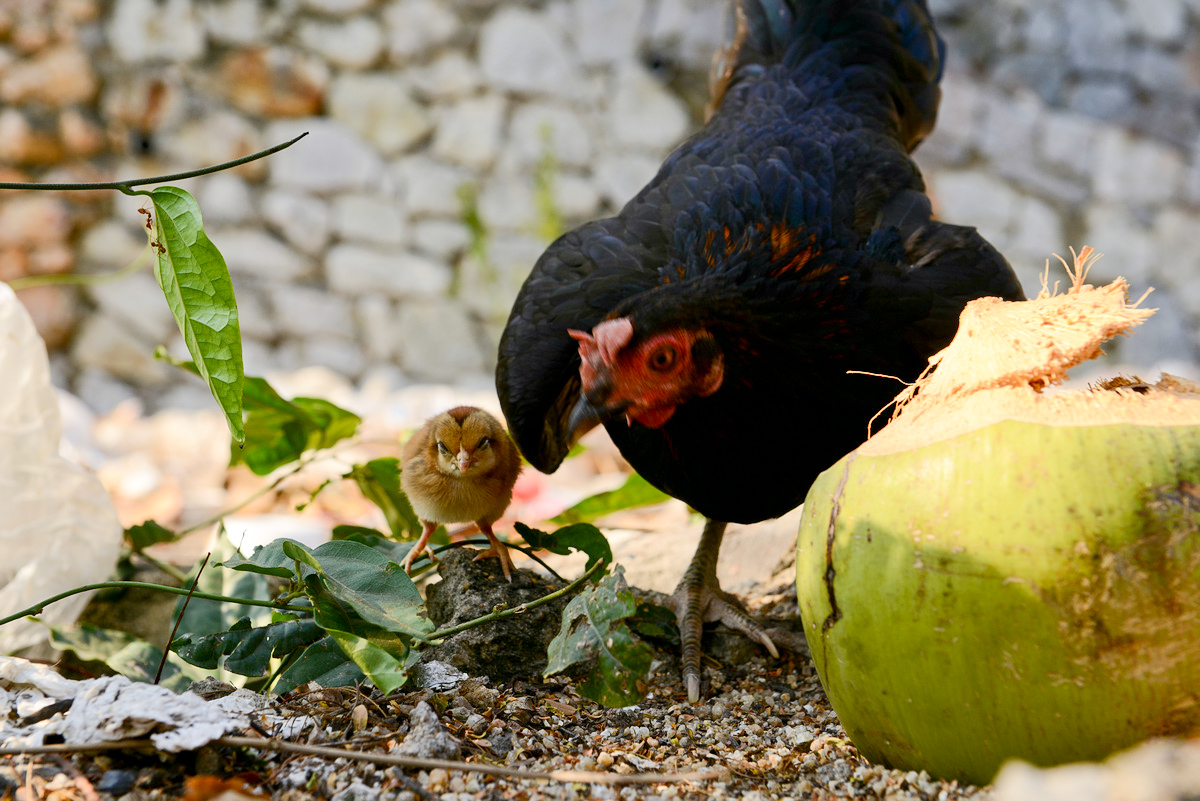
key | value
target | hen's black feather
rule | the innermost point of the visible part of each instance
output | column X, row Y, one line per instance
column 794, row 228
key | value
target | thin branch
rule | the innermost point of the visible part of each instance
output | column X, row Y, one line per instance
column 127, row 186
column 519, row 610
column 179, row 618
column 571, row 776
column 37, row 608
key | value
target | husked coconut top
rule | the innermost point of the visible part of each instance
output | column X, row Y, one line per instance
column 1006, row 353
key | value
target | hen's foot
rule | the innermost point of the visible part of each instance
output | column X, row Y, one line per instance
column 698, row 602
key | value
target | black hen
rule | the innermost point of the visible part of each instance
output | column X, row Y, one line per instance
column 713, row 325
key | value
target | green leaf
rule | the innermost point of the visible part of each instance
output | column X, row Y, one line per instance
column 374, row 587
column 203, row 616
column 385, row 662
column 379, row 480
column 593, row 632
column 247, row 651
column 636, row 491
column 279, row 431
column 147, row 534
column 396, row 551
column 196, row 283
column 579, row 537
column 136, row 659
column 269, row 560
column 323, row 662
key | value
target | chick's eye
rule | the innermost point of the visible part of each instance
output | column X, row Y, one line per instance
column 442, row 448
column 484, row 444
column 663, row 358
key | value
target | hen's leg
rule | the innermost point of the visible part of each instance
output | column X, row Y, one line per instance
column 498, row 550
column 699, row 599
column 419, row 546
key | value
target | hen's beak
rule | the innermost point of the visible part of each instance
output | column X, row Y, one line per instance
column 587, row 415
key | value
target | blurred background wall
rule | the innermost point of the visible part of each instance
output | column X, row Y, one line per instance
column 450, row 140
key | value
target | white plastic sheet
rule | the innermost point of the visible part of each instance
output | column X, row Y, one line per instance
column 58, row 528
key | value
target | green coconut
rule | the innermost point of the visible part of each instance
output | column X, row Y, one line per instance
column 1007, row 571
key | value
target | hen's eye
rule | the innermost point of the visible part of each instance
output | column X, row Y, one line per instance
column 663, row 359
column 442, row 449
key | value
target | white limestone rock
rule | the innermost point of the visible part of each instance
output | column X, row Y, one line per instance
column 450, row 75
column 329, row 159
column 301, row 219
column 302, row 311
column 607, row 31
column 372, row 219
column 541, row 128
column 416, row 27
column 469, row 131
column 226, row 199
column 437, row 341
column 1135, row 170
column 138, row 303
column 643, row 114
column 444, row 240
column 523, row 51
column 430, row 187
column 256, row 254
column 353, row 43
column 141, row 31
column 361, row 270
column 379, row 107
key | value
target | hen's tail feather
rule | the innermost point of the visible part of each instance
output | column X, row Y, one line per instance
column 898, row 35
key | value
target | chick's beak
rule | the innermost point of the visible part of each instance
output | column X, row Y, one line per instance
column 463, row 460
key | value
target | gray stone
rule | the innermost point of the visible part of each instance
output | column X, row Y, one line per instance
column 442, row 239
column 359, row 270
column 101, row 391
column 415, row 27
column 111, row 244
column 427, row 738
column 1103, row 98
column 1045, row 27
column 469, row 131
column 105, row 343
column 213, row 139
column 253, row 319
column 606, row 31
column 226, row 199
column 1096, row 35
column 305, row 312
column 355, row 43
column 450, row 75
column 430, row 187
column 575, row 197
column 329, row 159
column 137, row 302
column 1177, row 247
column 139, row 31
column 506, row 203
column 243, row 22
column 1160, row 71
column 1125, row 243
column 538, row 129
column 620, row 177
column 1037, row 233
column 1135, row 171
column 300, row 218
column 493, row 285
column 1165, row 337
column 978, row 198
column 644, row 114
column 340, row 354
column 373, row 219
column 437, row 341
column 256, row 254
column 376, row 317
column 338, row 7
column 380, row 108
column 1010, row 125
column 953, row 140
column 1067, row 142
column 1161, row 21
column 522, row 51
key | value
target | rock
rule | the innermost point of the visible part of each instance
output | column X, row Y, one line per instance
column 430, row 187
column 436, row 341
column 376, row 317
column 427, row 738
column 1135, row 171
column 442, row 239
column 243, row 22
column 273, row 82
column 540, row 129
column 450, row 75
column 138, row 303
column 958, row 118
column 468, row 132
column 1104, row 99
column 116, row 782
column 24, row 144
column 1096, row 34
column 256, row 254
column 105, row 343
column 620, row 177
column 607, row 31
column 100, row 391
column 253, row 319
column 1009, row 126
column 341, row 354
column 338, row 7
column 511, row 648
column 355, row 43
column 1163, row 22
column 1125, row 243
column 109, row 244
column 53, row 310
column 214, row 139
column 81, row 136
column 644, row 114
column 506, row 202
column 303, row 220
column 1067, row 142
column 416, row 27
column 226, row 199
column 359, row 270
column 60, row 76
column 373, row 219
column 522, row 51
column 302, row 311
column 379, row 108
column 32, row 219
column 975, row 197
column 141, row 31
column 1159, row 770
column 1036, row 234
column 575, row 197
column 329, row 159
column 492, row 287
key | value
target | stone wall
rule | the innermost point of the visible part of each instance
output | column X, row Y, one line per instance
column 449, row 140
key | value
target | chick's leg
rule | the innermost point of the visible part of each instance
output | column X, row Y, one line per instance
column 699, row 599
column 420, row 545
column 498, row 550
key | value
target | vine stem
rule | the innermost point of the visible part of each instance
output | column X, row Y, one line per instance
column 145, row 585
column 518, row 610
column 127, row 186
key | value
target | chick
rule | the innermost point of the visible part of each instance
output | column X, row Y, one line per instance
column 459, row 468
